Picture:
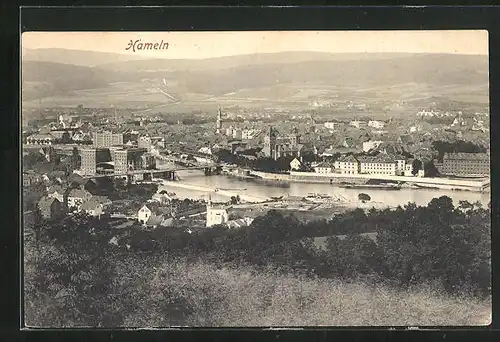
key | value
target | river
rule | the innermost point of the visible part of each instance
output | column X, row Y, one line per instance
column 265, row 189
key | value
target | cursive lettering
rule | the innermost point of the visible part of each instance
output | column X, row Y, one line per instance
column 138, row 45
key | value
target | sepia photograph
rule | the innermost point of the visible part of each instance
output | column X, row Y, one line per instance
column 255, row 179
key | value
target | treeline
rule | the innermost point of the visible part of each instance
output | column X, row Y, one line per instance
column 412, row 245
column 258, row 162
column 458, row 146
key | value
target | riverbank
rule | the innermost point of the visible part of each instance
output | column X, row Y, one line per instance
column 223, row 192
column 482, row 185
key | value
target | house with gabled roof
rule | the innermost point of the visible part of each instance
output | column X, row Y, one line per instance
column 324, row 167
column 76, row 197
column 92, row 207
column 153, row 214
column 56, row 191
column 50, row 208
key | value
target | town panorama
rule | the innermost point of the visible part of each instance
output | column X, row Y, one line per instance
column 264, row 189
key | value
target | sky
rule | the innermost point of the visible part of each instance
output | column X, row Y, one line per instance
column 197, row 45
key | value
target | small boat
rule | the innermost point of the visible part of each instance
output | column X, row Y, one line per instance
column 318, row 198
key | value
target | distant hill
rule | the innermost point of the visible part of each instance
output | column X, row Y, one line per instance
column 218, row 76
column 437, row 70
column 40, row 79
column 75, row 57
column 219, row 63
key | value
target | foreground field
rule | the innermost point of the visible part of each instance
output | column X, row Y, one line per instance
column 240, row 297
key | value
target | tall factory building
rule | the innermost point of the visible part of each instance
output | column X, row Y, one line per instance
column 88, row 165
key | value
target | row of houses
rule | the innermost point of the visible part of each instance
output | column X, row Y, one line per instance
column 381, row 164
column 57, row 203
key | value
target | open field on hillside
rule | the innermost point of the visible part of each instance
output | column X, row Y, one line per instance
column 401, row 98
column 240, row 297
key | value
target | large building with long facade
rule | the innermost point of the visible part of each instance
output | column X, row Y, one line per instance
column 465, row 164
column 381, row 164
column 107, row 139
column 276, row 146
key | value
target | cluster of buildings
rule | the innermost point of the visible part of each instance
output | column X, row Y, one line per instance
column 453, row 164
column 381, row 164
column 109, row 155
column 59, row 201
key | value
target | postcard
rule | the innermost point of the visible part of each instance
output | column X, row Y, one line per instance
column 256, row 179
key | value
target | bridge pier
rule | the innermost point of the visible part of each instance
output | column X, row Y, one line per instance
column 169, row 175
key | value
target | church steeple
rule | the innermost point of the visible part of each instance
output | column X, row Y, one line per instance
column 218, row 125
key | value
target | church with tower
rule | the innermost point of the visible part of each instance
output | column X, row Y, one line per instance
column 277, row 146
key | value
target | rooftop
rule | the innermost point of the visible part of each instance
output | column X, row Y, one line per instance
column 468, row 156
column 380, row 158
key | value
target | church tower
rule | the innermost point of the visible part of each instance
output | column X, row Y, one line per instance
column 218, row 125
column 269, row 142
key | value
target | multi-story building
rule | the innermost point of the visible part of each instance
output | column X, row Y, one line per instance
column 276, row 146
column 120, row 159
column 465, row 164
column 377, row 165
column 347, row 165
column 88, row 161
column 129, row 159
column 324, row 167
column 107, row 139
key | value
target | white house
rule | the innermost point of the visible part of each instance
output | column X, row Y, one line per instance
column 332, row 125
column 144, row 214
column 205, row 150
column 295, row 164
column 324, row 167
column 150, row 215
column 376, row 124
column 408, row 169
column 216, row 214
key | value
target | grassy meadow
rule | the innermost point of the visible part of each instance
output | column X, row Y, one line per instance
column 241, row 297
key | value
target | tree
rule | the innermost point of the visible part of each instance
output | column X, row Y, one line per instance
column 364, row 197
column 73, row 275
column 416, row 166
column 66, row 138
